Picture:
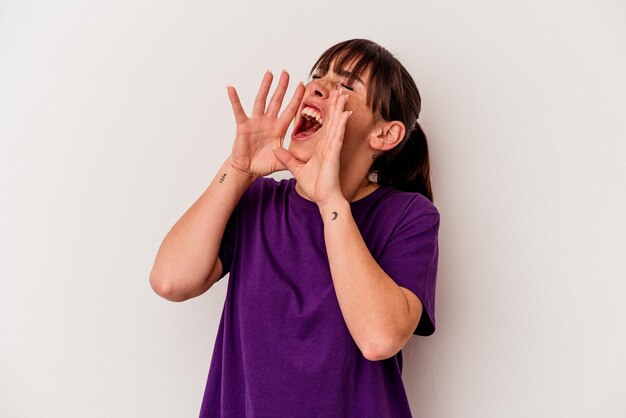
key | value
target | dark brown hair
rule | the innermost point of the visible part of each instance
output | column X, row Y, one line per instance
column 393, row 94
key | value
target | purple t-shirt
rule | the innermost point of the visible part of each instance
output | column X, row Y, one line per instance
column 283, row 348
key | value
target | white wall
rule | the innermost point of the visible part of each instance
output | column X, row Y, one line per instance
column 114, row 118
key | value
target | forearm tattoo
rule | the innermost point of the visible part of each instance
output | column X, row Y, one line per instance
column 223, row 177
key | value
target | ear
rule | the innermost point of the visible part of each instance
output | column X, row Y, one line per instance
column 387, row 135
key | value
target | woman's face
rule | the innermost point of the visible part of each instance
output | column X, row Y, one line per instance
column 317, row 94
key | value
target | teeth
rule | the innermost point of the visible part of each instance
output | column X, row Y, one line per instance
column 309, row 112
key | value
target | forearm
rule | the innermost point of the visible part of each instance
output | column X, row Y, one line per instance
column 371, row 303
column 189, row 251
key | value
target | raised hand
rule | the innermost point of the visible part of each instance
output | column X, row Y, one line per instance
column 319, row 177
column 257, row 136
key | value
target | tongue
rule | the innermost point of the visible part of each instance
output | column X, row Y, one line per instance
column 308, row 128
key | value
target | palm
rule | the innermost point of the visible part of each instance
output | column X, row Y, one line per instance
column 318, row 178
column 322, row 170
column 257, row 136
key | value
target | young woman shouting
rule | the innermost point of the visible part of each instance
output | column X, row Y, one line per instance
column 331, row 271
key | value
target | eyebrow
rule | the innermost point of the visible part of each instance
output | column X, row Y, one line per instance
column 345, row 73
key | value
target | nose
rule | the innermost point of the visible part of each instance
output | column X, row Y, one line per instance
column 323, row 88
column 320, row 90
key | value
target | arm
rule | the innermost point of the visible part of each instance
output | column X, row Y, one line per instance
column 381, row 316
column 186, row 264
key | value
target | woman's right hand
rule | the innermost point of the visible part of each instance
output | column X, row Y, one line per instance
column 257, row 136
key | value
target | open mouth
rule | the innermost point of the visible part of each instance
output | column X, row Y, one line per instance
column 309, row 123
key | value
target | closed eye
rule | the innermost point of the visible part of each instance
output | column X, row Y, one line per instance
column 348, row 87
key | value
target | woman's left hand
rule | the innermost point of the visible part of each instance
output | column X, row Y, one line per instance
column 319, row 177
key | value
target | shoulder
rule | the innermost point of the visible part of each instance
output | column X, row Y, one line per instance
column 397, row 215
column 409, row 205
column 420, row 220
column 415, row 220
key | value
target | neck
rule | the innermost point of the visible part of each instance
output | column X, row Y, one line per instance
column 353, row 175
column 357, row 190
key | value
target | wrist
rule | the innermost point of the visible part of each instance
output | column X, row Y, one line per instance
column 332, row 204
column 229, row 172
column 240, row 174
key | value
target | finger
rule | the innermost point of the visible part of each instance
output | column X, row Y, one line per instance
column 240, row 114
column 333, row 105
column 336, row 106
column 336, row 140
column 261, row 96
column 277, row 97
column 341, row 130
column 292, row 108
column 335, row 113
column 280, row 167
column 288, row 160
column 328, row 121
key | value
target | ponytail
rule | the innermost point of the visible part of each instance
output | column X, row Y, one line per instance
column 406, row 166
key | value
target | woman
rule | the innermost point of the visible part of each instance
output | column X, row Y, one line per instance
column 331, row 271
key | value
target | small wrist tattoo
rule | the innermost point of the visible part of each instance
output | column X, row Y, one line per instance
column 223, row 177
column 335, row 216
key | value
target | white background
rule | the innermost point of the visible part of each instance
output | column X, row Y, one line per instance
column 114, row 118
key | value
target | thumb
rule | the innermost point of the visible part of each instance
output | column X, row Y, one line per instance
column 288, row 160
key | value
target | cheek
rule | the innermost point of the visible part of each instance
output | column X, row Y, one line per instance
column 360, row 117
column 357, row 105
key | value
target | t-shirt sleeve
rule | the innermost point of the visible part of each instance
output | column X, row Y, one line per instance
column 227, row 245
column 411, row 255
column 227, row 249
